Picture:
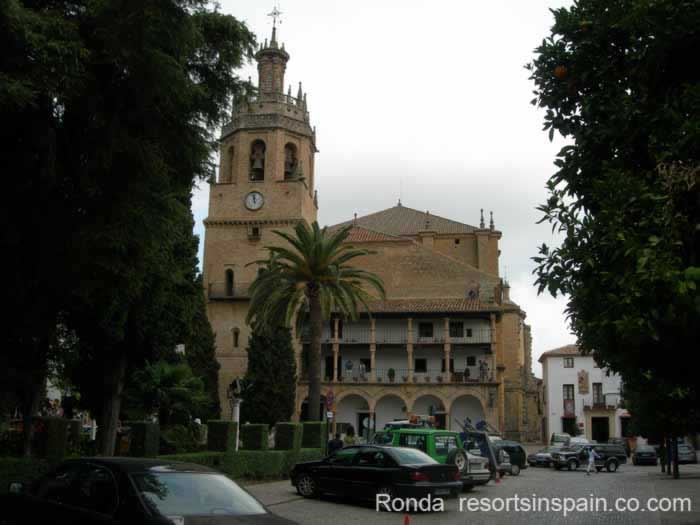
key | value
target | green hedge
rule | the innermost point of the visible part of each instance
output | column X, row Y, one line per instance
column 208, row 458
column 288, row 436
column 144, row 439
column 21, row 469
column 265, row 464
column 221, row 435
column 315, row 434
column 52, row 438
column 254, row 437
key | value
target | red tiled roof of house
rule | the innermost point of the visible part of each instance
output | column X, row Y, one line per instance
column 359, row 234
column 562, row 351
column 429, row 306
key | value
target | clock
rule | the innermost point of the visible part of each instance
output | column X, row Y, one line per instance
column 254, row 200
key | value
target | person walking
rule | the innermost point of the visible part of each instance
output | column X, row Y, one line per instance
column 592, row 456
column 335, row 444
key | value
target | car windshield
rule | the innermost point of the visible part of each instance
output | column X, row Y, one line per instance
column 411, row 456
column 189, row 494
column 547, row 450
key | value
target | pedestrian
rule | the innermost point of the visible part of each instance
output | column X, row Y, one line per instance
column 335, row 444
column 592, row 456
column 350, row 438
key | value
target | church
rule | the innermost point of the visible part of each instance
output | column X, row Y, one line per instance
column 446, row 342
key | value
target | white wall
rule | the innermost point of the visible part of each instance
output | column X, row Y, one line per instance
column 555, row 376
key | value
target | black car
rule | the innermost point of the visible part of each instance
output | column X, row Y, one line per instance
column 644, row 455
column 610, row 457
column 542, row 458
column 362, row 472
column 133, row 491
column 516, row 452
column 624, row 443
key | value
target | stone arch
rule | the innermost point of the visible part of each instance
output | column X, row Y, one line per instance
column 389, row 407
column 356, row 392
column 466, row 405
column 348, row 408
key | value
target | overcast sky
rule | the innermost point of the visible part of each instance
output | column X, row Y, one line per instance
column 428, row 101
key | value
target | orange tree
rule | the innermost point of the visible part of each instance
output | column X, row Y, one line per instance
column 309, row 279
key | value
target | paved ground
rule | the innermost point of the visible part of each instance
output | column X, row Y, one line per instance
column 629, row 482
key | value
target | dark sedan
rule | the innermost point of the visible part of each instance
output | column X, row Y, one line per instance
column 133, row 491
column 363, row 472
column 644, row 455
column 542, row 458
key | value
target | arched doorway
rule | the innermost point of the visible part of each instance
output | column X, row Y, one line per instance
column 353, row 410
column 429, row 405
column 466, row 406
column 389, row 408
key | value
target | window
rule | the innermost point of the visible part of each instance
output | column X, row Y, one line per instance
column 456, row 329
column 452, row 365
column 456, row 241
column 420, row 366
column 291, row 163
column 443, row 445
column 257, row 161
column 340, row 328
column 255, row 232
column 425, row 329
column 98, row 491
column 417, row 441
column 367, row 363
column 344, row 456
column 568, row 362
column 598, row 398
column 372, row 458
column 471, row 360
column 236, row 334
column 568, row 392
column 229, row 283
column 469, row 332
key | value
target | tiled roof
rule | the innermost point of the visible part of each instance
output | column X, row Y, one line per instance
column 428, row 306
column 401, row 220
column 562, row 351
column 359, row 234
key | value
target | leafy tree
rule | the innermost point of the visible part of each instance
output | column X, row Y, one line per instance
column 311, row 275
column 108, row 110
column 614, row 79
column 270, row 380
column 170, row 390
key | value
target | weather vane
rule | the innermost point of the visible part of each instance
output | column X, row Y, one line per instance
column 276, row 14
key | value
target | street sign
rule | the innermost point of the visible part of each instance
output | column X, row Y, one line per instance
column 329, row 415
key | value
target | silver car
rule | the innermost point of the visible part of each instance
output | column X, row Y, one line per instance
column 686, row 454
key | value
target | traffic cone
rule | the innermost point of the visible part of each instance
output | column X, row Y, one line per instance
column 406, row 519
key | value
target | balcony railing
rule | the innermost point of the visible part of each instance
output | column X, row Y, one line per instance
column 361, row 334
column 224, row 291
column 401, row 376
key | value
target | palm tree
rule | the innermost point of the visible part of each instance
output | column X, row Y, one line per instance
column 310, row 279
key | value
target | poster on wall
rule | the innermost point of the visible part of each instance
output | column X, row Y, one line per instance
column 583, row 382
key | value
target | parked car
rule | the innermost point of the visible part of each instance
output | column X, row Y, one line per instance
column 478, row 443
column 610, row 457
column 578, row 440
column 644, row 455
column 623, row 442
column 382, row 437
column 686, row 454
column 542, row 458
column 133, row 491
column 516, row 454
column 561, row 440
column 445, row 446
column 362, row 472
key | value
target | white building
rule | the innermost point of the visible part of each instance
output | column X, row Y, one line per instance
column 581, row 398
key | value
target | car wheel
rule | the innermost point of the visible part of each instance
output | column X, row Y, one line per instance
column 458, row 458
column 598, row 469
column 306, row 486
column 514, row 470
column 557, row 467
column 612, row 466
column 572, row 464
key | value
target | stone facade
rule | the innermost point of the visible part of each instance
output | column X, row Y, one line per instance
column 447, row 341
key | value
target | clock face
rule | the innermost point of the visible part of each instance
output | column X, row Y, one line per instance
column 254, row 200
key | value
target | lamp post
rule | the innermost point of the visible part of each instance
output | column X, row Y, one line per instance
column 233, row 393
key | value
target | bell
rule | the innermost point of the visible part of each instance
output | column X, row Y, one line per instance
column 257, row 164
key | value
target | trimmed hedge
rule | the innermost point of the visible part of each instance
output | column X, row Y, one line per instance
column 144, row 439
column 254, row 437
column 208, row 458
column 221, row 435
column 21, row 469
column 265, row 464
column 315, row 434
column 52, row 438
column 288, row 436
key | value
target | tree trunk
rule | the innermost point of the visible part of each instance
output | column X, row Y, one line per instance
column 676, row 473
column 662, row 455
column 111, row 405
column 314, row 365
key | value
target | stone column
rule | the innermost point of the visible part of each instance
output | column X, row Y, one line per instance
column 336, row 350
column 409, row 349
column 372, row 350
column 498, row 375
column 447, row 347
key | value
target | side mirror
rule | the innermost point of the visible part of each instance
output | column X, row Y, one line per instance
column 16, row 487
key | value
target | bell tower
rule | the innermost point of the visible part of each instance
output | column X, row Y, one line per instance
column 266, row 182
